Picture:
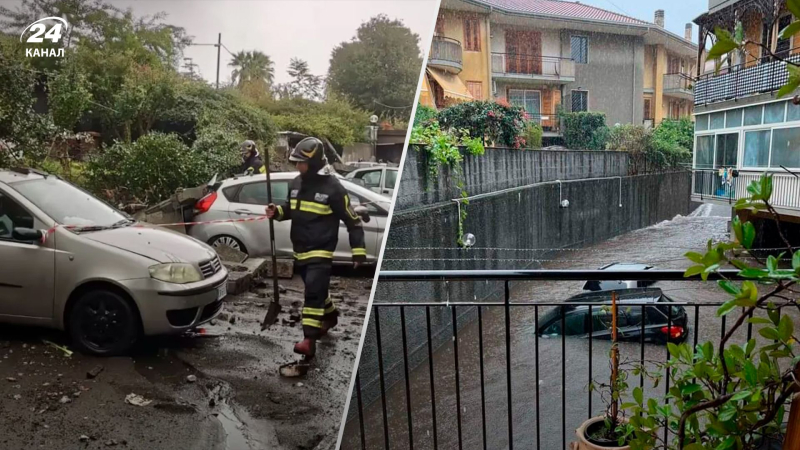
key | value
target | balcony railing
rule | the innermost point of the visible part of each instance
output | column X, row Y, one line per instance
column 445, row 54
column 764, row 76
column 708, row 184
column 678, row 83
column 452, row 385
column 534, row 66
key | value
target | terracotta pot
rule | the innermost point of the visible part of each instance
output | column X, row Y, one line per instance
column 584, row 444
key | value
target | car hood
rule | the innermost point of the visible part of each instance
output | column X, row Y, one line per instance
column 155, row 243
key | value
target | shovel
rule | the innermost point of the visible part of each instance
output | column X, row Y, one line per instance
column 275, row 306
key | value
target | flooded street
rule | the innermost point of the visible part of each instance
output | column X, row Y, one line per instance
column 558, row 398
column 218, row 392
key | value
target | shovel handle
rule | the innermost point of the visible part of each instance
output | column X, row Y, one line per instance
column 272, row 231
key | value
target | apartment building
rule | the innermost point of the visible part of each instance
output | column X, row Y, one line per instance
column 742, row 129
column 550, row 55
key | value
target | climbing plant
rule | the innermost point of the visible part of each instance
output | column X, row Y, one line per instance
column 445, row 148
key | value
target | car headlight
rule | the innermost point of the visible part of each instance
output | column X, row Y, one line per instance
column 176, row 273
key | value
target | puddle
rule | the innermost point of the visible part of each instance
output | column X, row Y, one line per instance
column 235, row 438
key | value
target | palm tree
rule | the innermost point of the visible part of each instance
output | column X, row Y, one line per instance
column 251, row 67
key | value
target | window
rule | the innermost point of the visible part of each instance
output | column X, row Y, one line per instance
column 575, row 324
column 391, row 179
column 704, row 157
column 727, row 150
column 472, row 34
column 475, row 88
column 717, row 121
column 774, row 112
column 784, row 45
column 752, row 115
column 372, row 178
column 702, row 123
column 733, row 118
column 786, row 147
column 530, row 101
column 580, row 101
column 601, row 320
column 68, row 204
column 12, row 215
column 756, row 148
column 792, row 113
column 579, row 46
column 256, row 193
column 648, row 110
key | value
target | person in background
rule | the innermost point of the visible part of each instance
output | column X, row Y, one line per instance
column 251, row 159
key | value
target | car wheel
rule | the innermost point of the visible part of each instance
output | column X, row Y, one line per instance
column 104, row 323
column 229, row 241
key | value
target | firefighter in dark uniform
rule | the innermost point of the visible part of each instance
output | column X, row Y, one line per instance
column 251, row 159
column 316, row 204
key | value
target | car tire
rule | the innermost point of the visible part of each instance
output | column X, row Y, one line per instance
column 230, row 241
column 103, row 322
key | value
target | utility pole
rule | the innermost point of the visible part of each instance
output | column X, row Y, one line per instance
column 219, row 47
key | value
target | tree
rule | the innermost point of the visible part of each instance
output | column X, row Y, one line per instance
column 304, row 84
column 253, row 72
column 379, row 69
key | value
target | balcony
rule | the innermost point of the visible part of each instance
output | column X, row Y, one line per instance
column 549, row 120
column 445, row 54
column 765, row 76
column 678, row 85
column 707, row 185
column 517, row 67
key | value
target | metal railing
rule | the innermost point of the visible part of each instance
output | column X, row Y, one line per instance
column 678, row 82
column 762, row 76
column 708, row 184
column 445, row 51
column 532, row 65
column 401, row 433
column 549, row 120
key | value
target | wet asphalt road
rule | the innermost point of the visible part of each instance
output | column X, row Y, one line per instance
column 238, row 402
column 661, row 245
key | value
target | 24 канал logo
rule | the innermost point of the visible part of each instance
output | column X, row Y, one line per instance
column 38, row 32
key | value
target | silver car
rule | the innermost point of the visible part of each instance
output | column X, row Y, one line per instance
column 72, row 262
column 245, row 197
column 381, row 179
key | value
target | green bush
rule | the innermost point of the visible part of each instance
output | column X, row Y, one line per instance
column 491, row 122
column 533, row 135
column 424, row 115
column 585, row 131
column 675, row 133
column 629, row 138
column 218, row 149
column 147, row 170
column 335, row 119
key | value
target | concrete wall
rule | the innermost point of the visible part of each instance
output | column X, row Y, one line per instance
column 614, row 76
column 522, row 218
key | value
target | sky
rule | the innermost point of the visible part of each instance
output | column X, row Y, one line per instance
column 282, row 29
column 677, row 13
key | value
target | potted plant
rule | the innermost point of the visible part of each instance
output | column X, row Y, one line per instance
column 611, row 430
column 734, row 395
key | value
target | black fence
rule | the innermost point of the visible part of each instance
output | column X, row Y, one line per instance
column 400, row 433
column 762, row 76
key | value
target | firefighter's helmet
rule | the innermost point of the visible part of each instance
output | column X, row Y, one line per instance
column 249, row 146
column 310, row 150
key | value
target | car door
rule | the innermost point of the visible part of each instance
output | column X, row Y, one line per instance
column 249, row 202
column 373, row 231
column 389, row 181
column 27, row 282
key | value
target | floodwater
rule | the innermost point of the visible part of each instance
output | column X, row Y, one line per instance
column 562, row 370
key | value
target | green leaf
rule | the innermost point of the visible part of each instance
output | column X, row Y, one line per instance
column 638, row 395
column 724, row 45
column 694, row 446
column 729, row 442
column 754, row 273
column 790, row 30
column 760, row 320
column 773, row 314
column 695, row 257
column 772, row 264
column 748, row 235
column 691, row 389
column 693, row 270
column 673, row 350
column 628, row 405
column 790, row 86
column 750, row 373
column 785, row 328
column 751, row 345
column 726, row 307
column 769, row 333
column 794, row 7
column 741, row 396
column 727, row 414
column 796, row 261
column 729, row 287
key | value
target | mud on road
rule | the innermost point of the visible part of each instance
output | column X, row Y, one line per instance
column 218, row 392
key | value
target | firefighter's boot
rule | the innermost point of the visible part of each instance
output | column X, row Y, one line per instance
column 307, row 347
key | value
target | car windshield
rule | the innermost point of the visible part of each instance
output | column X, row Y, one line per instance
column 68, row 205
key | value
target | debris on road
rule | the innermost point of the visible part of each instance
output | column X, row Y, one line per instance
column 137, row 400
column 11, row 379
column 67, row 352
column 83, row 438
column 191, row 378
column 64, row 400
column 94, row 372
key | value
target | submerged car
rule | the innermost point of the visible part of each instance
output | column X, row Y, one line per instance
column 246, row 196
column 610, row 285
column 662, row 322
column 72, row 262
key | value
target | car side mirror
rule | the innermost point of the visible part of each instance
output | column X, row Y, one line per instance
column 363, row 212
column 27, row 234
